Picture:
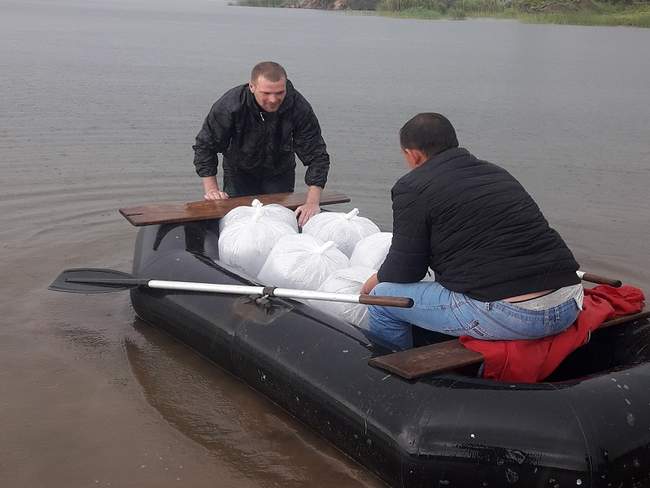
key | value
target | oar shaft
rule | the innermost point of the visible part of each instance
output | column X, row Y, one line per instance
column 206, row 287
column 401, row 302
column 281, row 293
column 94, row 280
column 385, row 301
column 601, row 280
column 315, row 295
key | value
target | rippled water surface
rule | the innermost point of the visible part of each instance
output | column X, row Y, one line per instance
column 100, row 103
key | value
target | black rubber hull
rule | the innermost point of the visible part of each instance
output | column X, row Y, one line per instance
column 447, row 430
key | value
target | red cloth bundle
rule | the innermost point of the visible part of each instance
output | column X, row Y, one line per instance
column 530, row 361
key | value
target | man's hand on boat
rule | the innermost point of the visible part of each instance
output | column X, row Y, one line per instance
column 370, row 284
column 211, row 189
column 215, row 195
column 306, row 212
column 311, row 206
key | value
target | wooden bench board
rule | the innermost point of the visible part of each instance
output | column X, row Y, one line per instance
column 178, row 212
column 450, row 355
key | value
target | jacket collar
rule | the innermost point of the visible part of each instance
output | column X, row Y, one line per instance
column 445, row 156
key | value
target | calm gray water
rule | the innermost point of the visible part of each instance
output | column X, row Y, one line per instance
column 100, row 103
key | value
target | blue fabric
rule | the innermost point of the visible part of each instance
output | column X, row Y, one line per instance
column 438, row 309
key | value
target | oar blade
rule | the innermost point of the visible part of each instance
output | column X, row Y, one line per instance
column 93, row 280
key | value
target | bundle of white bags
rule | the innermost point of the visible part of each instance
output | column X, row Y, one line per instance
column 301, row 261
column 345, row 229
column 337, row 252
column 346, row 280
column 371, row 251
column 247, row 234
column 266, row 213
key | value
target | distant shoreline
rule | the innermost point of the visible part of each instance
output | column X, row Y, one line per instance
column 529, row 11
column 628, row 17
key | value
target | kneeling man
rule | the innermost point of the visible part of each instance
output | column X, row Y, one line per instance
column 501, row 271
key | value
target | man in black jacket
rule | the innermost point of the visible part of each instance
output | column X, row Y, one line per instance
column 501, row 271
column 259, row 127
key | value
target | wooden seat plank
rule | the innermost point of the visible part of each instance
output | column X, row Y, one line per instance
column 451, row 355
column 178, row 212
column 432, row 358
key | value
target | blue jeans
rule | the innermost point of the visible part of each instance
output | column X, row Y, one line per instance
column 441, row 310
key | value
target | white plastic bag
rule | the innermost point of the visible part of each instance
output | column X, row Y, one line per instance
column 271, row 212
column 346, row 280
column 371, row 251
column 345, row 229
column 246, row 242
column 301, row 261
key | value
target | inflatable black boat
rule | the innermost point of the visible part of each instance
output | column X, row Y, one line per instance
column 589, row 426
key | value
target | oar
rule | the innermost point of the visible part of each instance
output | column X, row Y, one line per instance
column 95, row 280
column 601, row 280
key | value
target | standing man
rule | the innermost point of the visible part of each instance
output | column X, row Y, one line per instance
column 501, row 271
column 259, row 127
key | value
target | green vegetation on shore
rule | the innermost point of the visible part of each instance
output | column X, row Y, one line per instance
column 533, row 11
column 637, row 16
column 575, row 12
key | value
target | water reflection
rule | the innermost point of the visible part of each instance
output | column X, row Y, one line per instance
column 236, row 424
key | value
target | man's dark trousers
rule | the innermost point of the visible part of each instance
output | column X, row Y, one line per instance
column 242, row 184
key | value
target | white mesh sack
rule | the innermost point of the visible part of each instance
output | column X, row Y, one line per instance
column 301, row 261
column 246, row 242
column 345, row 229
column 266, row 212
column 371, row 251
column 346, row 280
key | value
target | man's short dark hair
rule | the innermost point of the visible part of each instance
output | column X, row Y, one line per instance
column 269, row 70
column 429, row 132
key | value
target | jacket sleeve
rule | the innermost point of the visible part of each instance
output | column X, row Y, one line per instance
column 213, row 138
column 410, row 249
column 310, row 147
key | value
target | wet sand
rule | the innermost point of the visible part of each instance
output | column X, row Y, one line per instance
column 100, row 106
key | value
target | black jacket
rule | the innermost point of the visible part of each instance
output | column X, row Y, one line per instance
column 477, row 228
column 260, row 143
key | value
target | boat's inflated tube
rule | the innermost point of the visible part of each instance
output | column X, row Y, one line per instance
column 445, row 430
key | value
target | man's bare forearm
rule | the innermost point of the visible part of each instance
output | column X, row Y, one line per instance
column 313, row 194
column 209, row 183
column 211, row 189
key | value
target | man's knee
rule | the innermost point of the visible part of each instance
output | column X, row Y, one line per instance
column 381, row 289
column 380, row 311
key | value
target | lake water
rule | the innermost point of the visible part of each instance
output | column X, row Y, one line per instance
column 100, row 104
